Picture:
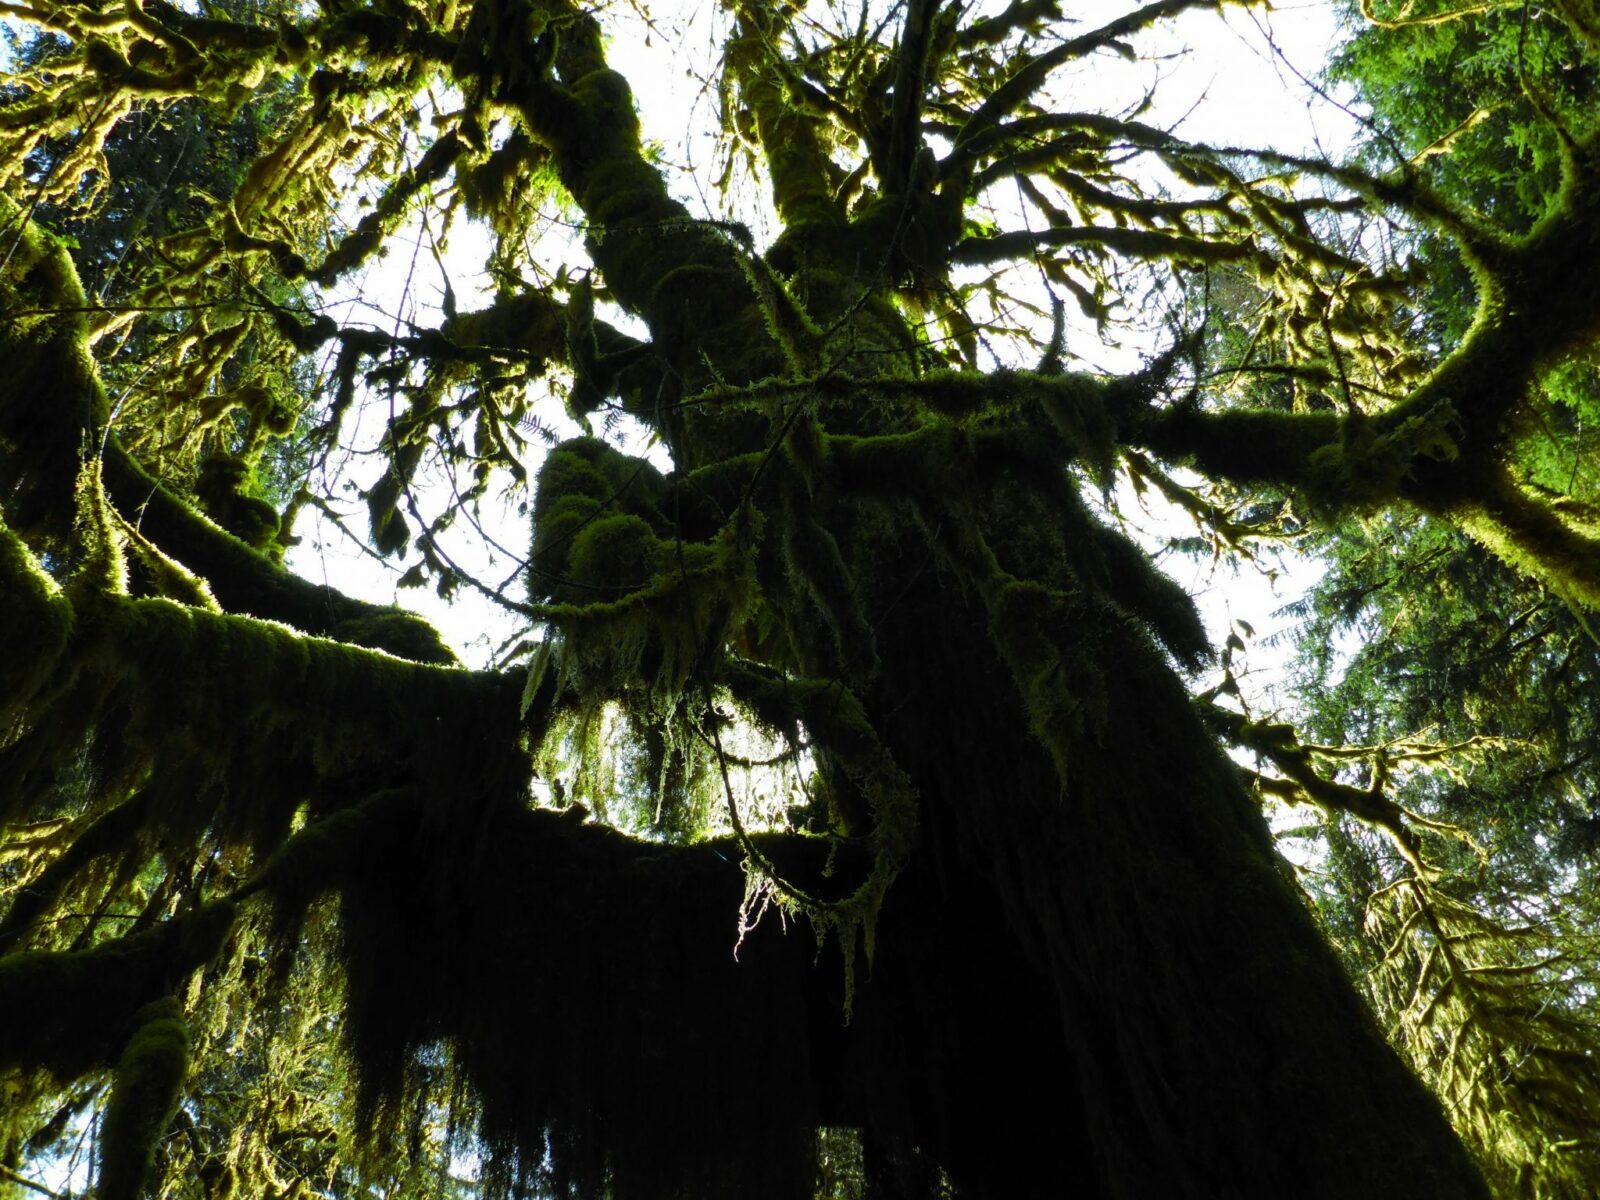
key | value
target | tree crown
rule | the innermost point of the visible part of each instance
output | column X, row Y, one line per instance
column 277, row 864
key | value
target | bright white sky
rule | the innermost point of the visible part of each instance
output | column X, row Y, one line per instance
column 1237, row 81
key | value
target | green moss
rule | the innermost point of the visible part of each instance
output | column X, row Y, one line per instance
column 818, row 570
column 36, row 629
column 109, row 836
column 608, row 101
column 616, row 553
column 696, row 296
column 557, row 525
column 1134, row 583
column 401, row 633
column 144, row 1097
column 50, row 397
column 583, row 484
column 621, row 189
column 568, row 471
column 223, row 491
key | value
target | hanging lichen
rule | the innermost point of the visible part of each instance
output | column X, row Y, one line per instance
column 301, row 898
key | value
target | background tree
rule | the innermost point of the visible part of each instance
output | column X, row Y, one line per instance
column 283, row 912
column 1466, row 681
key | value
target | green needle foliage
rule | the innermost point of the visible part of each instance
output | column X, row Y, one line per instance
column 294, row 904
column 1471, row 683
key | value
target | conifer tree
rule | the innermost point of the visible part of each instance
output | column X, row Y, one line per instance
column 1468, row 681
column 296, row 904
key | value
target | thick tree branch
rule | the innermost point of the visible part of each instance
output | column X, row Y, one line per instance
column 804, row 179
column 911, row 74
column 245, row 581
column 685, row 278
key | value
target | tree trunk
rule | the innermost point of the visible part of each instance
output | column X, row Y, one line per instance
column 1095, row 940
column 1204, row 1040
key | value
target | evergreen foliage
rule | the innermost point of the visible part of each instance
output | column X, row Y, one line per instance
column 294, row 904
column 1468, row 681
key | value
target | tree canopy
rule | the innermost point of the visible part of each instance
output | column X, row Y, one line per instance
column 859, row 810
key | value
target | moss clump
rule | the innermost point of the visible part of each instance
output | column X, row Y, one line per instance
column 614, row 554
column 592, row 501
column 223, row 492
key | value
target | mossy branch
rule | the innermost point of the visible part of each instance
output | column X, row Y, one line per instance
column 1278, row 743
column 144, row 1096
column 246, row 581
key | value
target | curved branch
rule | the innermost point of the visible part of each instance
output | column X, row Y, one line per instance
column 245, row 581
column 1142, row 243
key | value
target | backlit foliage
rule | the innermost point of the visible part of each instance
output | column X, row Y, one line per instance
column 296, row 904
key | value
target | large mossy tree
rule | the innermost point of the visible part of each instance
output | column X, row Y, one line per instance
column 288, row 908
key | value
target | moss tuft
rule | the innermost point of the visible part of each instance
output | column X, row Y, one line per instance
column 615, row 553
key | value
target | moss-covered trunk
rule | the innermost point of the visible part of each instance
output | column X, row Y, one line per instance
column 1204, row 1041
column 1094, row 976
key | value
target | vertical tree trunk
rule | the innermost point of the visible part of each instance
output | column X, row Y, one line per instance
column 1205, row 1041
column 1095, row 941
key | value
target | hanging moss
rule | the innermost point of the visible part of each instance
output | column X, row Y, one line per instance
column 819, row 571
column 638, row 1096
column 70, row 1011
column 42, row 443
column 144, row 1096
column 108, row 834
